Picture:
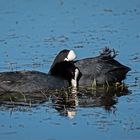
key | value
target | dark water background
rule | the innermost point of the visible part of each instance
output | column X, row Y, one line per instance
column 31, row 34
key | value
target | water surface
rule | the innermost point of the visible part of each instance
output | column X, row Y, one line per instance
column 33, row 32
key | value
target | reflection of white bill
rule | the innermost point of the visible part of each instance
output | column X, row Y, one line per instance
column 74, row 92
column 71, row 114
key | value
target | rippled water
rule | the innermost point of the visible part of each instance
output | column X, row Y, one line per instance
column 33, row 32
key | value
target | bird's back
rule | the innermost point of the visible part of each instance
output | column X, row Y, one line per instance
column 29, row 81
column 103, row 69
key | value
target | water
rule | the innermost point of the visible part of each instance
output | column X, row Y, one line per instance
column 33, row 32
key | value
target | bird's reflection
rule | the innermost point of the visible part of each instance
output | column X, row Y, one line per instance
column 67, row 101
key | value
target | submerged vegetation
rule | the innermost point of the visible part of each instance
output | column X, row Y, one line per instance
column 67, row 99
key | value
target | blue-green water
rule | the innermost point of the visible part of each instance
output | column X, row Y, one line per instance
column 31, row 34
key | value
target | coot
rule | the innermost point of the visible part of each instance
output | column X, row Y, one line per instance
column 63, row 74
column 101, row 70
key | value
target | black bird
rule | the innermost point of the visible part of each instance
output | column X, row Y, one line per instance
column 101, row 70
column 62, row 75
